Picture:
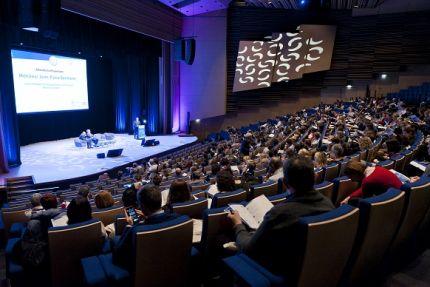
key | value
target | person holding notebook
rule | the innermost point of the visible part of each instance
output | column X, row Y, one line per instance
column 273, row 244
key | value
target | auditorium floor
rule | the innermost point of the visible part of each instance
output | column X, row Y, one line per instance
column 59, row 160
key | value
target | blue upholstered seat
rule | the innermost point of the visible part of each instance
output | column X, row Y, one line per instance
column 320, row 266
column 379, row 219
column 223, row 198
column 158, row 262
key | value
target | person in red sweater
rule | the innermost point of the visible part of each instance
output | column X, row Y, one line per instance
column 373, row 180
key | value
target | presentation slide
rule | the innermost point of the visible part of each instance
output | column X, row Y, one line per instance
column 46, row 82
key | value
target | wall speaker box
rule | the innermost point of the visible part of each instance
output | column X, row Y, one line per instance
column 101, row 155
column 114, row 152
column 190, row 51
column 179, row 46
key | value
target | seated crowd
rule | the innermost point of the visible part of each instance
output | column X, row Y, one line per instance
column 290, row 149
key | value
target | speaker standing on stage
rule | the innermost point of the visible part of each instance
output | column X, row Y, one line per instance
column 136, row 125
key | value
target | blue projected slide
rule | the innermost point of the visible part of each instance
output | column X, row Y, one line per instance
column 45, row 82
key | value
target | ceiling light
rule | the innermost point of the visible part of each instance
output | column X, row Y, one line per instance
column 349, row 87
column 383, row 76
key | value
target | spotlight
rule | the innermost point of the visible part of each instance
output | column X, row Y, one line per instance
column 349, row 87
column 302, row 2
column 197, row 120
column 383, row 76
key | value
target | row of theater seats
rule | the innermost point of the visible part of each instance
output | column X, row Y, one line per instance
column 350, row 243
column 330, row 181
column 343, row 245
column 413, row 95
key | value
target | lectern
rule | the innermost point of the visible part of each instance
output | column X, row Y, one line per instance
column 141, row 132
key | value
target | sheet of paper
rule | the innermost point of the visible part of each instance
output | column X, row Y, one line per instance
column 258, row 207
column 246, row 216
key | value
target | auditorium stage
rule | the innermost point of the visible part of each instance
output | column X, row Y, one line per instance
column 60, row 160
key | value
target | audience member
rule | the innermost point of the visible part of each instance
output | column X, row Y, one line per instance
column 150, row 204
column 78, row 210
column 273, row 243
column 180, row 191
column 373, row 180
column 104, row 199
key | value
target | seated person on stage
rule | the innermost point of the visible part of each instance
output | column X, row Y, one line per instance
column 150, row 204
column 83, row 136
column 273, row 244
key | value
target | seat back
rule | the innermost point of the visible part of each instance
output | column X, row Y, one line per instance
column 260, row 172
column 279, row 198
column 224, row 198
column 388, row 164
column 200, row 187
column 68, row 245
column 319, row 175
column 329, row 238
column 417, row 201
column 192, row 208
column 215, row 224
column 379, row 218
column 120, row 224
column 342, row 166
column 343, row 187
column 13, row 215
column 268, row 189
column 331, row 171
column 399, row 162
column 159, row 262
column 108, row 215
column 326, row 188
column 363, row 155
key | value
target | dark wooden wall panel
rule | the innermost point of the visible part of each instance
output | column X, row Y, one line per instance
column 148, row 17
column 364, row 47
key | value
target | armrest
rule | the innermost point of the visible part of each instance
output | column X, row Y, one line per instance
column 120, row 276
column 94, row 275
column 16, row 229
column 275, row 280
column 107, row 246
column 246, row 272
column 13, row 269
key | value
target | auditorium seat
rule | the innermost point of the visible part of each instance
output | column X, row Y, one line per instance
column 108, row 215
column 379, row 218
column 67, row 245
column 267, row 188
column 279, row 198
column 200, row 187
column 331, row 171
column 343, row 187
column 324, row 253
column 388, row 164
column 11, row 216
column 215, row 226
column 319, row 175
column 399, row 162
column 417, row 202
column 158, row 260
column 192, row 208
column 223, row 198
column 326, row 188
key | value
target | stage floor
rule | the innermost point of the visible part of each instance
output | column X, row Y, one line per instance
column 60, row 160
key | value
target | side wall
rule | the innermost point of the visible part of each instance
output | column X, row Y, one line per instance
column 202, row 84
